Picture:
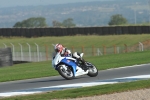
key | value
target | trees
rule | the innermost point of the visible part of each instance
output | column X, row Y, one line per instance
column 32, row 22
column 56, row 23
column 41, row 22
column 66, row 23
column 117, row 20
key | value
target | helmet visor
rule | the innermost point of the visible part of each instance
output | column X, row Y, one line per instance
column 56, row 50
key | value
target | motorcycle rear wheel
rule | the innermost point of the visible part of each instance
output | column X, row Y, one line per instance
column 93, row 71
column 65, row 72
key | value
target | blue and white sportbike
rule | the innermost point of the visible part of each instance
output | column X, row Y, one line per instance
column 70, row 68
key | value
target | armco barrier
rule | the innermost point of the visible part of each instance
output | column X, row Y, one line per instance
column 5, row 57
column 51, row 31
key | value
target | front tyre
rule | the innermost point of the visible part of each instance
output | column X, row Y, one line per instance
column 65, row 72
column 93, row 72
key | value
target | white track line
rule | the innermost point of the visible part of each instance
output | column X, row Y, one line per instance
column 78, row 85
column 128, row 66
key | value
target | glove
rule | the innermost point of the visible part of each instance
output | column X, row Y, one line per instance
column 68, row 51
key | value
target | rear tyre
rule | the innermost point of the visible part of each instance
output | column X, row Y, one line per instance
column 65, row 72
column 93, row 72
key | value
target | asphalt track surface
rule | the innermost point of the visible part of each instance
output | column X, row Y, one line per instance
column 58, row 80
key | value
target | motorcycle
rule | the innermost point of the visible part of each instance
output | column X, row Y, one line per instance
column 69, row 67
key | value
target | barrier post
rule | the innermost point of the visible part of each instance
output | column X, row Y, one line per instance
column 38, row 52
column 72, row 49
column 82, row 49
column 29, row 51
column 115, row 49
column 13, row 51
column 93, row 53
column 141, row 46
column 104, row 50
column 21, row 51
column 5, row 45
column 126, row 48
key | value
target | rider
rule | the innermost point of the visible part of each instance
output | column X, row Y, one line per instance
column 66, row 52
column 63, row 51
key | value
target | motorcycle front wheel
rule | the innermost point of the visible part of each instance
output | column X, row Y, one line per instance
column 93, row 71
column 65, row 71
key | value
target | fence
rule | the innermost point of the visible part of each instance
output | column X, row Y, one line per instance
column 36, row 53
column 51, row 31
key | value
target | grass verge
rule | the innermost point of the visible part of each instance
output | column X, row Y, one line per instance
column 44, row 69
column 79, row 41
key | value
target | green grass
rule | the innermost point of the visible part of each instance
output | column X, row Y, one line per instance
column 44, row 69
column 78, row 41
column 27, row 71
column 86, row 91
column 118, row 60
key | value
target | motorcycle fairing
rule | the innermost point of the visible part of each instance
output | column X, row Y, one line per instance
column 70, row 63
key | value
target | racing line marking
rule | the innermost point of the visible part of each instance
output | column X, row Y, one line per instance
column 78, row 85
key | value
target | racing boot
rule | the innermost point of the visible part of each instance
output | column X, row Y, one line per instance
column 83, row 64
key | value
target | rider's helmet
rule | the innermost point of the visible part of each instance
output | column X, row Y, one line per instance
column 58, row 48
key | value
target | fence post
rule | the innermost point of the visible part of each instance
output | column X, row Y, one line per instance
column 5, row 45
column 46, row 51
column 21, row 52
column 72, row 49
column 13, row 51
column 104, row 50
column 93, row 50
column 115, row 49
column 126, row 48
column 38, row 52
column 29, row 51
column 141, row 46
column 99, row 52
column 118, row 48
column 82, row 49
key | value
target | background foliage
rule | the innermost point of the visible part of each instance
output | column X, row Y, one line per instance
column 117, row 20
column 32, row 22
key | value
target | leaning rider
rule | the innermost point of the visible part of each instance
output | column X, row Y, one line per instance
column 66, row 52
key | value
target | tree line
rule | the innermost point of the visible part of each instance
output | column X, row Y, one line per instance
column 116, row 19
